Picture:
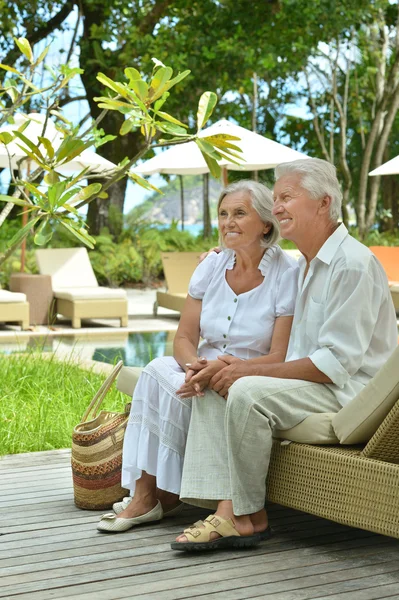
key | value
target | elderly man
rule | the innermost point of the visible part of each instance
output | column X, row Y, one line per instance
column 344, row 330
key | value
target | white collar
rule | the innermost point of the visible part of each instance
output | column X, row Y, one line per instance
column 265, row 261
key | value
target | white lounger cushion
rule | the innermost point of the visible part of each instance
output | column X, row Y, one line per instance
column 6, row 296
column 356, row 422
column 68, row 267
column 89, row 293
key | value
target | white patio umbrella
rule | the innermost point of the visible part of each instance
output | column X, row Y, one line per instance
column 389, row 168
column 258, row 153
column 33, row 131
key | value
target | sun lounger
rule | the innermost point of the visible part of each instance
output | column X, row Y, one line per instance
column 344, row 466
column 14, row 308
column 389, row 258
column 76, row 290
column 178, row 268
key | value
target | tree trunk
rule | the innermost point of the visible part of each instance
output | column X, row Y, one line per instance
column 108, row 212
column 207, row 212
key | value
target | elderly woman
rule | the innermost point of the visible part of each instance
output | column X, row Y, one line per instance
column 240, row 302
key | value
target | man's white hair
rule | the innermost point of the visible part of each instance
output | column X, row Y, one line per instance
column 319, row 178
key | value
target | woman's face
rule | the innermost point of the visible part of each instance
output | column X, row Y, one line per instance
column 239, row 224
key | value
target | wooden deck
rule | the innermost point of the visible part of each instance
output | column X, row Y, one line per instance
column 50, row 549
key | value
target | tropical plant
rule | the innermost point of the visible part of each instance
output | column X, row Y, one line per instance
column 52, row 198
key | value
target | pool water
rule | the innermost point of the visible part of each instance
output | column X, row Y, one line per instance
column 134, row 349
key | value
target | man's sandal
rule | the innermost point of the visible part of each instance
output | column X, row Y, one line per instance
column 199, row 536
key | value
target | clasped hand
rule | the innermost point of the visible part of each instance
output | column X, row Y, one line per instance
column 217, row 375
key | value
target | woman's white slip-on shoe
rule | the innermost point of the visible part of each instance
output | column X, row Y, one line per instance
column 110, row 523
column 118, row 507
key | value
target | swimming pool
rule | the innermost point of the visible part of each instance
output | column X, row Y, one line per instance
column 135, row 349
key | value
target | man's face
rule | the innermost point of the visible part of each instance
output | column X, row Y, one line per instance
column 295, row 210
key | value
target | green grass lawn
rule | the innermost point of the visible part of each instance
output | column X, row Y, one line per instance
column 42, row 400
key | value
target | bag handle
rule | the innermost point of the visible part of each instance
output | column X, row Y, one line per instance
column 100, row 395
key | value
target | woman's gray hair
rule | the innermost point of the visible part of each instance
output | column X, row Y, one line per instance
column 262, row 201
column 319, row 178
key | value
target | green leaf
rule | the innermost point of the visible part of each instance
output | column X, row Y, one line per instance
column 69, row 76
column 70, row 148
column 13, row 93
column 115, row 86
column 35, row 159
column 207, row 148
column 171, row 128
column 34, row 190
column 114, row 104
column 160, row 79
column 72, row 181
column 22, row 233
column 206, row 105
column 43, row 234
column 80, row 234
column 140, row 88
column 11, row 69
column 42, row 55
column 132, row 74
column 127, row 126
column 48, row 145
column 143, row 182
column 159, row 103
column 6, row 138
column 51, row 177
column 177, row 79
column 104, row 140
column 171, row 119
column 17, row 201
column 25, row 48
column 212, row 165
column 65, row 197
column 87, row 192
column 34, row 149
column 54, row 193
column 223, row 141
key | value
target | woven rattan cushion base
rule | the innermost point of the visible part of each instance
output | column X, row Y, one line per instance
column 336, row 483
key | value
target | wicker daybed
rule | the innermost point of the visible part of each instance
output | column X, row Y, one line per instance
column 343, row 467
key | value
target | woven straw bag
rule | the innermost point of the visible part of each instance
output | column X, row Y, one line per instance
column 97, row 453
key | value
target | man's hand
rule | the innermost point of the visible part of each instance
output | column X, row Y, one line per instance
column 203, row 256
column 234, row 369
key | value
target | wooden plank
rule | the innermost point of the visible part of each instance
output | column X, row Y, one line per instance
column 183, row 581
column 126, row 557
column 52, row 550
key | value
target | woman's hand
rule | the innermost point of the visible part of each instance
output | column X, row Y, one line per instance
column 200, row 379
column 195, row 366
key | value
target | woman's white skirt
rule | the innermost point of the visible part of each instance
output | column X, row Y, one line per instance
column 156, row 433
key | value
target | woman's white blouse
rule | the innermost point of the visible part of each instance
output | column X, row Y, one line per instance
column 242, row 325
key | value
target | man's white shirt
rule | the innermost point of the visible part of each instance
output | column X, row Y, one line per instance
column 344, row 319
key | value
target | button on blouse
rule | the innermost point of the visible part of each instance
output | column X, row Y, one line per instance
column 243, row 325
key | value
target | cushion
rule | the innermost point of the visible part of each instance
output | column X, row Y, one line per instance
column 315, row 429
column 127, row 379
column 89, row 293
column 6, row 296
column 356, row 422
column 68, row 267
